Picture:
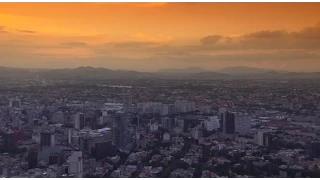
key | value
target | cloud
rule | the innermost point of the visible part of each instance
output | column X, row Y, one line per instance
column 268, row 34
column 248, row 57
column 74, row 44
column 151, row 38
column 307, row 38
column 3, row 29
column 26, row 31
column 136, row 4
column 279, row 47
column 131, row 44
column 209, row 40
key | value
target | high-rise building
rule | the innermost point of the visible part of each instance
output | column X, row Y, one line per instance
column 166, row 123
column 103, row 149
column 184, row 106
column 79, row 121
column 227, row 122
column 120, row 136
column 164, row 110
column 179, row 123
column 212, row 123
column 259, row 138
column 105, row 119
column 70, row 133
column 242, row 124
column 58, row 117
column 127, row 102
column 75, row 164
column 47, row 139
column 171, row 108
column 263, row 138
column 166, row 136
column 313, row 149
column 195, row 133
column 7, row 140
column 54, row 158
column 16, row 103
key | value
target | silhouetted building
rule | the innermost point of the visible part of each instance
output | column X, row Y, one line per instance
column 227, row 122
column 127, row 103
column 8, row 140
column 103, row 149
column 47, row 139
column 313, row 149
column 166, row 123
column 120, row 137
column 79, row 121
column 16, row 103
column 54, row 158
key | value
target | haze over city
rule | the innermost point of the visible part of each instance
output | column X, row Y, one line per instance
column 159, row 90
column 152, row 36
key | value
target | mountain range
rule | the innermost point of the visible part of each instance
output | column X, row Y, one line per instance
column 190, row 72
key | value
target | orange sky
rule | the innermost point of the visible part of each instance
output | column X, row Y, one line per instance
column 150, row 36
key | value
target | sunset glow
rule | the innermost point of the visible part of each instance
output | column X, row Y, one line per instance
column 150, row 36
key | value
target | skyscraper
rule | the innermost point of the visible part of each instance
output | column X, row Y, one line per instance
column 79, row 121
column 166, row 123
column 8, row 140
column 75, row 164
column 242, row 124
column 227, row 122
column 120, row 136
column 127, row 102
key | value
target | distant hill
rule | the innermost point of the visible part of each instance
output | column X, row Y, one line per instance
column 187, row 70
column 209, row 75
column 92, row 73
column 242, row 70
column 191, row 72
column 8, row 72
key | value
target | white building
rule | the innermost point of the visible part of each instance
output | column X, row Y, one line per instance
column 154, row 127
column 75, row 164
column 242, row 124
column 259, row 138
column 222, row 110
column 104, row 118
column 70, row 134
column 166, row 137
column 79, row 121
column 164, row 110
column 184, row 106
column 212, row 123
column 153, row 107
column 195, row 133
column 58, row 117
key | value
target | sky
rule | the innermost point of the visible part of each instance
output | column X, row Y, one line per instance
column 151, row 36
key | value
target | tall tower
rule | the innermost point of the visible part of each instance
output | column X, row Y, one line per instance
column 75, row 164
column 166, row 123
column 227, row 124
column 127, row 101
column 119, row 130
column 79, row 121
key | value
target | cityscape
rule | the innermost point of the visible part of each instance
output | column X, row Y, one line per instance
column 77, row 103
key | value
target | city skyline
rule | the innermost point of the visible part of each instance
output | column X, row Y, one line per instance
column 152, row 36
